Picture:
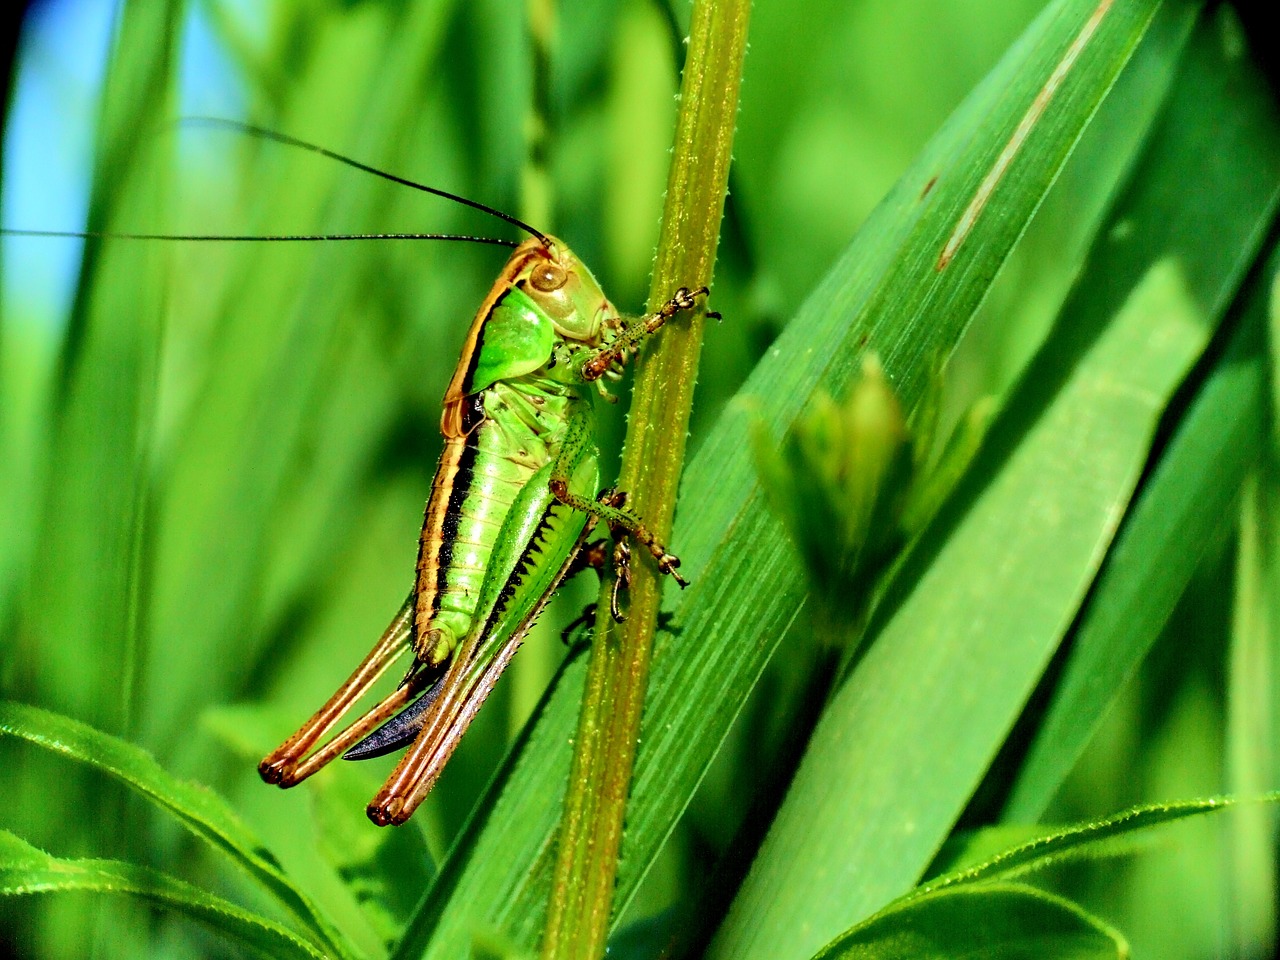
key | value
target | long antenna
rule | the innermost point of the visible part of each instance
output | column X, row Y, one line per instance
column 251, row 238
column 265, row 134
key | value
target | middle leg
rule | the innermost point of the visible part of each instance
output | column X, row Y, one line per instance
column 575, row 446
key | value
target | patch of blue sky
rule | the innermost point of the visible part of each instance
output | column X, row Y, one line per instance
column 48, row 144
column 210, row 85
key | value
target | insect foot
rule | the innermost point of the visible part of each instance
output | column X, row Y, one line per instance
column 633, row 332
column 279, row 770
column 387, row 812
column 621, row 575
column 685, row 299
column 682, row 299
column 667, row 563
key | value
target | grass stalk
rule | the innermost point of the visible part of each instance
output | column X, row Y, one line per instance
column 617, row 676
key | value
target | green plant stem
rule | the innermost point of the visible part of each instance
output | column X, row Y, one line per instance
column 609, row 724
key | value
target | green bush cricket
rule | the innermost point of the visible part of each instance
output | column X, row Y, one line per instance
column 513, row 499
column 515, row 495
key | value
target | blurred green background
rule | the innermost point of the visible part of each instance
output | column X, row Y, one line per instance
column 213, row 458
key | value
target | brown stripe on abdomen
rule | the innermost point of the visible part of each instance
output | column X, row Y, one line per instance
column 452, row 475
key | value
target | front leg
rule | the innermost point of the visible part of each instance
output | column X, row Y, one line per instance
column 638, row 330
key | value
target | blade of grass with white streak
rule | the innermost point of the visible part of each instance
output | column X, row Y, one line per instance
column 1223, row 112
column 901, row 747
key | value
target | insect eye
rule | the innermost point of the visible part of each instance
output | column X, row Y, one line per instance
column 548, row 277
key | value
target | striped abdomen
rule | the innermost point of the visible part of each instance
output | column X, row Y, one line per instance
column 479, row 476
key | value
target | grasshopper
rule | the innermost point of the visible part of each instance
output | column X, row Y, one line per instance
column 515, row 496
column 512, row 503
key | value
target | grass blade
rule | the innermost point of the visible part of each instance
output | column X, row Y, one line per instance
column 91, row 553
column 25, row 869
column 1183, row 504
column 199, row 810
column 1177, row 515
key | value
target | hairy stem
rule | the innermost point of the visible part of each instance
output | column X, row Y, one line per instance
column 609, row 724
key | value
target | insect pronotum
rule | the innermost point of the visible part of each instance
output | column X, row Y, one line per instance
column 516, row 494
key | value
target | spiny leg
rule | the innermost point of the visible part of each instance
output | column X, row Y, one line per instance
column 637, row 331
column 594, row 556
column 617, row 518
column 622, row 565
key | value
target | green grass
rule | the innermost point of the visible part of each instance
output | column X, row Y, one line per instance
column 213, row 485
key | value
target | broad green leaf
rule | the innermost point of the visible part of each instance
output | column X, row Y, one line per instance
column 1184, row 503
column 198, row 809
column 907, row 739
column 887, row 293
column 1251, row 677
column 25, row 870
column 1181, row 507
column 998, row 921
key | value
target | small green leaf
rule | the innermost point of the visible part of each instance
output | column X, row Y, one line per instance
column 988, row 918
column 993, row 921
column 24, row 869
column 839, row 483
column 938, row 478
column 1086, row 840
column 969, row 848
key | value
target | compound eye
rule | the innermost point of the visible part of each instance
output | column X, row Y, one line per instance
column 548, row 276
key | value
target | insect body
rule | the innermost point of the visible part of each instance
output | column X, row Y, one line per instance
column 514, row 497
